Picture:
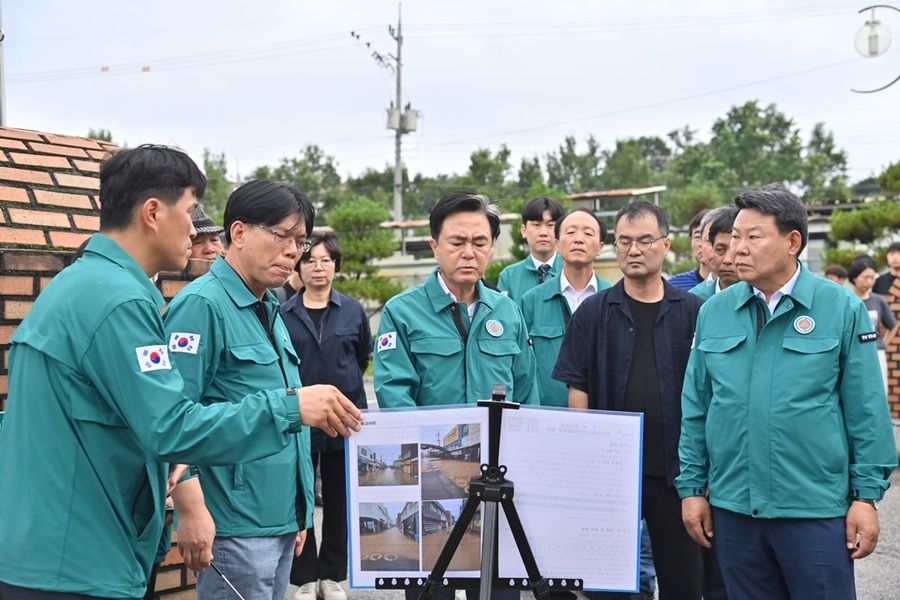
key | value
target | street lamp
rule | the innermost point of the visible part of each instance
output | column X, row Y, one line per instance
column 873, row 39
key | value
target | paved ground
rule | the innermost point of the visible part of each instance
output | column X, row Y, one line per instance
column 877, row 577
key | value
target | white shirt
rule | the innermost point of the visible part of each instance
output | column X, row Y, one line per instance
column 470, row 308
column 576, row 298
column 538, row 263
column 786, row 289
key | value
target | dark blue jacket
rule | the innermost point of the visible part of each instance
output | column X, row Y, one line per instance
column 599, row 344
column 337, row 354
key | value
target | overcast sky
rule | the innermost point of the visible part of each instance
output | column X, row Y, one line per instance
column 259, row 80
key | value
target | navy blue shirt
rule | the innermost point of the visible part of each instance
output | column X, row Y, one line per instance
column 687, row 280
column 599, row 344
column 336, row 352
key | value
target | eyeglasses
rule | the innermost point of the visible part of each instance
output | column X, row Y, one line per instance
column 623, row 245
column 324, row 262
column 286, row 240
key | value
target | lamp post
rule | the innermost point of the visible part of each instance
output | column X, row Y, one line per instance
column 873, row 39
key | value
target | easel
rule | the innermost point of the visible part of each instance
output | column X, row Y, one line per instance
column 488, row 490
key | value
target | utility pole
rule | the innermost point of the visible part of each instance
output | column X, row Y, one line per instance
column 398, row 137
column 399, row 118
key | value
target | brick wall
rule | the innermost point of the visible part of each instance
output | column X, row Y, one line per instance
column 48, row 207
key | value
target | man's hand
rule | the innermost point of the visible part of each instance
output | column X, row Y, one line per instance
column 697, row 517
column 196, row 529
column 325, row 407
column 301, row 540
column 862, row 524
column 176, row 472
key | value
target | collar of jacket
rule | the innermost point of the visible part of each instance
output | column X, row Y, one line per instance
column 803, row 292
column 440, row 300
column 112, row 251
column 235, row 286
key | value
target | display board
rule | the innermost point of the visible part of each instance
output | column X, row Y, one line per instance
column 577, row 491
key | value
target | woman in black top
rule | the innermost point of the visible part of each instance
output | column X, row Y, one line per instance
column 331, row 334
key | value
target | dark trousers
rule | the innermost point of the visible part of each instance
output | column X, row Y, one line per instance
column 14, row 592
column 783, row 559
column 330, row 560
column 679, row 566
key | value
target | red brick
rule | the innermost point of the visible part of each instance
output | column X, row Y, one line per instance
column 45, row 281
column 170, row 288
column 16, row 309
column 31, row 260
column 88, row 166
column 67, row 239
column 6, row 332
column 198, row 267
column 38, row 160
column 39, row 217
column 61, row 150
column 87, row 222
column 60, row 199
column 2, row 218
column 79, row 181
column 12, row 144
column 8, row 235
column 190, row 594
column 66, row 140
column 20, row 134
column 4, row 384
column 25, row 176
column 99, row 154
column 16, row 286
column 3, row 157
column 11, row 194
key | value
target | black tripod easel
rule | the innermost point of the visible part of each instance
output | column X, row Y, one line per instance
column 488, row 490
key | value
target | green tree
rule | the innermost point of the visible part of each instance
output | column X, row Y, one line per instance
column 824, row 170
column 625, row 166
column 104, row 135
column 357, row 225
column 530, row 172
column 489, row 172
column 570, row 171
column 313, row 173
column 889, row 181
column 218, row 188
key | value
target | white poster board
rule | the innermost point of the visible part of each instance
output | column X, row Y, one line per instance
column 577, row 491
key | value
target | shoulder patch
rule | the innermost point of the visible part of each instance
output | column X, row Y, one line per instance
column 868, row 337
column 387, row 341
column 152, row 358
column 184, row 342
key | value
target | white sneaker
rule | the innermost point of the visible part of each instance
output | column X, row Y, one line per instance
column 460, row 595
column 307, row 591
column 331, row 590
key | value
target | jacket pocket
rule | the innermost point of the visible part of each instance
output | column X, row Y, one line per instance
column 435, row 346
column 261, row 354
column 499, row 347
column 550, row 332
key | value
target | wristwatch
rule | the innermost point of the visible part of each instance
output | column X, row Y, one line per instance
column 291, row 392
column 873, row 503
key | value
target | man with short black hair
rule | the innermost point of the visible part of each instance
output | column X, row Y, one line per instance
column 539, row 217
column 717, row 250
column 885, row 282
column 96, row 410
column 626, row 349
column 227, row 339
column 689, row 279
column 785, row 420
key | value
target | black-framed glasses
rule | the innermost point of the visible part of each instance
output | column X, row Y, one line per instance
column 623, row 245
column 286, row 240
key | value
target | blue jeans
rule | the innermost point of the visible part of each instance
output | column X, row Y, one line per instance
column 257, row 567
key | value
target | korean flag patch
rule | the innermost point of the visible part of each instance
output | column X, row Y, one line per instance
column 387, row 341
column 152, row 358
column 184, row 342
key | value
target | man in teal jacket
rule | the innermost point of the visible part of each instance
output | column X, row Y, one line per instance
column 226, row 337
column 785, row 419
column 96, row 409
column 547, row 308
column 539, row 216
column 717, row 250
column 450, row 339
